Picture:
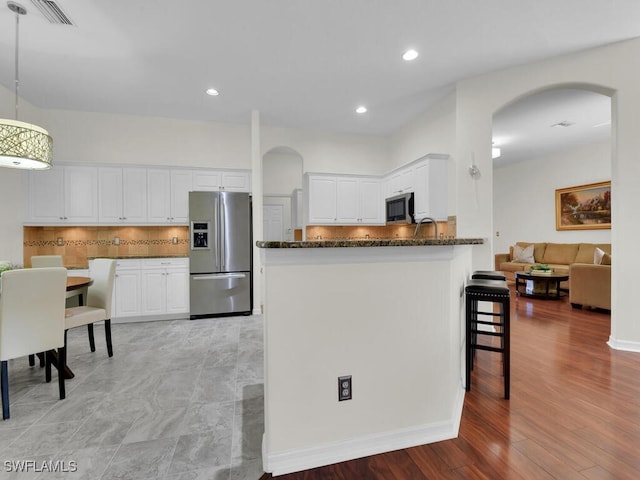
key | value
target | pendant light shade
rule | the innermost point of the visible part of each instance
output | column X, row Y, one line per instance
column 23, row 145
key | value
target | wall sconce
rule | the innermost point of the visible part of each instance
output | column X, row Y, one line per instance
column 474, row 171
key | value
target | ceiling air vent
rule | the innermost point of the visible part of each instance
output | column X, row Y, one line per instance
column 52, row 12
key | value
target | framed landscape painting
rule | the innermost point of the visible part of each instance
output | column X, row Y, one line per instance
column 584, row 207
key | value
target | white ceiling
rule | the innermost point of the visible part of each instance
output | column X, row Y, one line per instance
column 529, row 128
column 301, row 63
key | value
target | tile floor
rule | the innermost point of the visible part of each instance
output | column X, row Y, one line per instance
column 179, row 400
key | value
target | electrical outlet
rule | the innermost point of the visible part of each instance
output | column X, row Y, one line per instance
column 174, row 240
column 344, row 388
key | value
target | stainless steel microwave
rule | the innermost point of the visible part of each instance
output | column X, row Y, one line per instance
column 400, row 209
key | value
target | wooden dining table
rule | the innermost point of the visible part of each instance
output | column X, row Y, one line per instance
column 76, row 287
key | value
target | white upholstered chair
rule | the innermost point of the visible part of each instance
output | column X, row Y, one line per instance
column 32, row 309
column 98, row 304
column 39, row 261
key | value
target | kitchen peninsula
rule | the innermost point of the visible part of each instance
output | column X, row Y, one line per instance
column 388, row 313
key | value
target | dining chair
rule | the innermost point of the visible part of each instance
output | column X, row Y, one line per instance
column 39, row 261
column 32, row 309
column 98, row 304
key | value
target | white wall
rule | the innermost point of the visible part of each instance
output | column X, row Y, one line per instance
column 524, row 196
column 331, row 152
column 281, row 173
column 432, row 132
column 107, row 138
column 613, row 70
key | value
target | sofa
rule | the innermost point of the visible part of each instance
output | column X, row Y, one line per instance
column 589, row 282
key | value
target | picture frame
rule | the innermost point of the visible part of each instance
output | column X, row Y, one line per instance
column 584, row 207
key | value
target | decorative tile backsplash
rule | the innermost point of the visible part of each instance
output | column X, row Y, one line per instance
column 355, row 232
column 77, row 244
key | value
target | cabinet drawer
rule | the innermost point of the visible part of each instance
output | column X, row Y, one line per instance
column 165, row 262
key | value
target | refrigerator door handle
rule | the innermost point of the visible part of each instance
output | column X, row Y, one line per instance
column 219, row 276
column 216, row 233
column 223, row 233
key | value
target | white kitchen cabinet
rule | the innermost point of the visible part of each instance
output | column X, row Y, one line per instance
column 322, row 199
column 122, row 195
column 126, row 301
column 400, row 181
column 359, row 201
column 344, row 200
column 165, row 286
column 221, row 180
column 297, row 216
column 63, row 195
column 431, row 187
column 168, row 195
column 370, row 201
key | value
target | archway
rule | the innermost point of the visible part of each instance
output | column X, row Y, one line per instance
column 282, row 169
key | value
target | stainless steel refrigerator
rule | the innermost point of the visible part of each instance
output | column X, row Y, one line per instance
column 220, row 254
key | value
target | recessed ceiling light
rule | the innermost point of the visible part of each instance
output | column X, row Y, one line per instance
column 213, row 92
column 409, row 55
column 361, row 109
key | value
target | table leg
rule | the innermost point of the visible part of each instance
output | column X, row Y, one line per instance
column 54, row 361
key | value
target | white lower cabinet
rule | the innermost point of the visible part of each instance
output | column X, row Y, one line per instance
column 151, row 288
column 126, row 295
column 165, row 286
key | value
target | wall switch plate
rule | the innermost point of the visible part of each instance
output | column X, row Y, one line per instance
column 344, row 388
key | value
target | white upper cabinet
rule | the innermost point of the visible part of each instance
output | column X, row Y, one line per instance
column 108, row 195
column 322, row 199
column 344, row 200
column 63, row 195
column 400, row 181
column 370, row 201
column 168, row 195
column 122, row 195
column 230, row 181
column 431, row 187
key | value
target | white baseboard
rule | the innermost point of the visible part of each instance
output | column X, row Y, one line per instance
column 624, row 345
column 327, row 454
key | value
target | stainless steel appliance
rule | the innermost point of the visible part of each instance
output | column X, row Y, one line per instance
column 220, row 254
column 400, row 209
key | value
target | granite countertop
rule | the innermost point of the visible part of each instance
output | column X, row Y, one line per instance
column 391, row 242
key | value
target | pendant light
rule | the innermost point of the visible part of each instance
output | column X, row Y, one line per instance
column 23, row 145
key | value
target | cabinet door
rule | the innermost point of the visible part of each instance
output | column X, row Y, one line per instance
column 236, row 181
column 371, row 202
column 206, row 181
column 127, row 291
column 153, row 291
column 347, row 207
column 159, row 195
column 177, row 287
column 81, row 194
column 322, row 200
column 431, row 193
column 110, row 195
column 181, row 185
column 134, row 195
column 46, row 196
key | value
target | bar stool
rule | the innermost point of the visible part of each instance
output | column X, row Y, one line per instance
column 487, row 290
column 488, row 275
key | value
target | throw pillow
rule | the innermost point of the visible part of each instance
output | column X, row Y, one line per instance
column 606, row 259
column 598, row 254
column 523, row 254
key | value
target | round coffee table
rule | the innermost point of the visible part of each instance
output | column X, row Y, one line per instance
column 540, row 285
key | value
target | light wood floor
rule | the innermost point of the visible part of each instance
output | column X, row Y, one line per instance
column 574, row 411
